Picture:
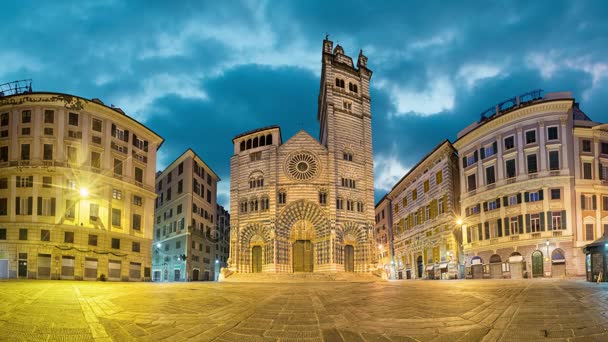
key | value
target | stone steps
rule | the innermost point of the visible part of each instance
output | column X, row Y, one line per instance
column 300, row 277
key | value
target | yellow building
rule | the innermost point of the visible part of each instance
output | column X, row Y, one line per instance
column 76, row 189
column 424, row 214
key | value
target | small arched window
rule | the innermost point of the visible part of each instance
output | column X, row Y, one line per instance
column 337, row 82
column 262, row 140
column 248, row 143
column 354, row 88
column 341, row 83
column 242, row 145
column 282, row 197
column 269, row 139
column 350, row 86
column 255, row 142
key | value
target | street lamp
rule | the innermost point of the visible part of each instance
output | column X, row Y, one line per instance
column 84, row 192
column 547, row 244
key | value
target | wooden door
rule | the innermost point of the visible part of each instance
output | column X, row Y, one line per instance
column 349, row 258
column 303, row 256
column 256, row 259
column 537, row 264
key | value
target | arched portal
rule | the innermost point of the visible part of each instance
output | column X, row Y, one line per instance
column 537, row 264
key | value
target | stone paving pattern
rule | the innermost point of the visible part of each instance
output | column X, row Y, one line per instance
column 470, row 310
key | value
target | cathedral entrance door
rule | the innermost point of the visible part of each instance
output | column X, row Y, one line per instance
column 420, row 267
column 302, row 256
column 256, row 259
column 349, row 258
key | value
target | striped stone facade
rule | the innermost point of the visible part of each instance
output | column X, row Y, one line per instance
column 307, row 204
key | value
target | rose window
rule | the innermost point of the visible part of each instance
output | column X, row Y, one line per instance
column 302, row 166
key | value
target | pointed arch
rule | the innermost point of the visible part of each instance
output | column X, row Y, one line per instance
column 351, row 229
column 302, row 210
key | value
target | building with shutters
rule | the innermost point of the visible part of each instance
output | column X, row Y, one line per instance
column 186, row 240
column 222, row 253
column 424, row 214
column 76, row 189
column 383, row 236
column 530, row 186
column 306, row 204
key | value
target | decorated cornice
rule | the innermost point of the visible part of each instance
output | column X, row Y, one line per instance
column 477, row 133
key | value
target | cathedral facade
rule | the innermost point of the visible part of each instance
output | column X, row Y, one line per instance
column 306, row 204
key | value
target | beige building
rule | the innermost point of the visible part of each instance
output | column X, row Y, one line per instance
column 307, row 205
column 76, row 189
column 185, row 237
column 424, row 215
column 523, row 176
column 383, row 236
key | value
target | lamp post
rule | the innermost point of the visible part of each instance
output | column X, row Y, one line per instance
column 547, row 244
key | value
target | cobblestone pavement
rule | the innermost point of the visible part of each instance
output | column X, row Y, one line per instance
column 480, row 310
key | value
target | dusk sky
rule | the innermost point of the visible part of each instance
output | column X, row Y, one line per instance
column 200, row 73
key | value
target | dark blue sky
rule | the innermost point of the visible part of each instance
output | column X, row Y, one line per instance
column 200, row 72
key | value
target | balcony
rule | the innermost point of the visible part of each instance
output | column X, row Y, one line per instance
column 119, row 148
column 142, row 158
column 96, row 140
column 74, row 134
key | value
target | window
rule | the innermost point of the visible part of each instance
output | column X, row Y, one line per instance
column 45, row 235
column 440, row 207
column 414, row 194
column 92, row 240
column 534, row 196
column 179, row 209
column 136, row 222
column 22, row 234
column 96, row 160
column 93, row 211
column 209, row 196
column 180, row 168
column 47, row 152
column 439, row 178
column 46, row 206
column 96, row 125
column 3, row 206
column 3, row 153
column 135, row 247
column 347, row 156
column 116, row 217
column 586, row 145
column 556, row 220
column 490, row 175
column 514, row 225
column 255, row 156
column 4, row 183
column 139, row 175
column 25, row 151
column 488, row 151
column 69, row 209
column 532, row 168
column 535, row 223
column 322, row 198
column 555, row 194
column 492, row 205
column 117, row 167
column 587, row 171
column 282, row 197
column 116, row 194
column 25, row 181
column 72, row 154
column 427, row 186
column 47, row 181
column 23, row 205
column 68, row 237
column 168, row 194
column 471, row 183
column 552, row 133
column 4, row 119
column 25, row 131
column 509, row 143
column 553, row 160
column 26, row 116
column 115, row 243
column 339, row 204
column 510, row 168
column 589, row 232
column 530, row 137
column 73, row 119
column 137, row 200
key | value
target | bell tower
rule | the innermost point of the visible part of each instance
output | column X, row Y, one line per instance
column 345, row 128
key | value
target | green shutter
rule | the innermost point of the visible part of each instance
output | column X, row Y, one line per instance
column 542, row 221
column 563, row 219
column 499, row 227
column 549, row 220
column 507, row 228
column 520, row 223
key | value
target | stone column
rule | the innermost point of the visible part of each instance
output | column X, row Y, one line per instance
column 542, row 150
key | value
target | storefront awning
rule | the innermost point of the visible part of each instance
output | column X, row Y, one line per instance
column 558, row 261
column 430, row 268
column 443, row 265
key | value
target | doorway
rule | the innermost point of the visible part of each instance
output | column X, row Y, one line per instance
column 349, row 258
column 302, row 256
column 256, row 259
column 537, row 264
column 22, row 270
column 195, row 275
column 420, row 266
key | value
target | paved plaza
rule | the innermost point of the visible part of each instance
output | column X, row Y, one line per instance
column 488, row 310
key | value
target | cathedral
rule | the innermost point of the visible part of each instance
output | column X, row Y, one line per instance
column 306, row 204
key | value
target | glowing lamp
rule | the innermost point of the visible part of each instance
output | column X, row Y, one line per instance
column 459, row 222
column 84, row 192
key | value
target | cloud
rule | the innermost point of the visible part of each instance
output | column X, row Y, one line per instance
column 223, row 192
column 437, row 97
column 435, row 41
column 471, row 73
column 14, row 61
column 388, row 169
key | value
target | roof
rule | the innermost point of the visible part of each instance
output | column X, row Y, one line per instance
column 255, row 131
column 94, row 100
column 170, row 166
column 601, row 242
column 421, row 161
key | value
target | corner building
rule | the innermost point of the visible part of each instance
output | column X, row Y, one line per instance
column 307, row 205
column 530, row 188
column 76, row 189
column 424, row 210
column 185, row 239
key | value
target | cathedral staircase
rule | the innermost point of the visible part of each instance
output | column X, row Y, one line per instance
column 303, row 277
